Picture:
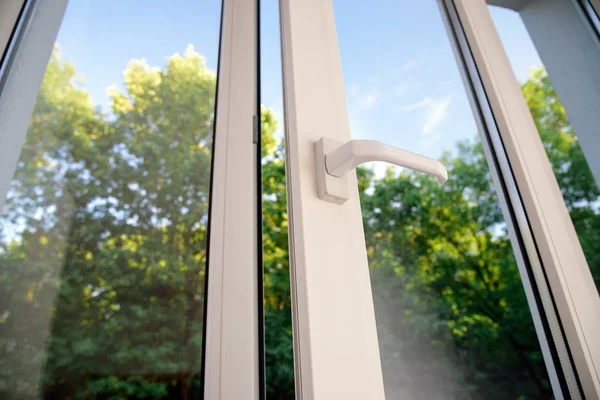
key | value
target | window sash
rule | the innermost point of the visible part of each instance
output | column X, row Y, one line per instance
column 335, row 338
column 565, row 266
column 334, row 327
column 233, row 364
column 233, row 367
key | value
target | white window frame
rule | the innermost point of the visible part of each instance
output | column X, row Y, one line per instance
column 334, row 327
column 9, row 13
column 541, row 304
column 233, row 363
column 335, row 338
column 233, row 366
column 568, row 274
column 21, row 74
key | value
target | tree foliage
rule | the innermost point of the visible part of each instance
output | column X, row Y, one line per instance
column 453, row 320
column 102, row 263
column 110, row 210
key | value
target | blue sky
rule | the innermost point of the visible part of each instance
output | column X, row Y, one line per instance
column 402, row 83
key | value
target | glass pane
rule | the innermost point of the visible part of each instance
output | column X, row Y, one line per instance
column 558, row 72
column 279, row 351
column 103, row 236
column 453, row 320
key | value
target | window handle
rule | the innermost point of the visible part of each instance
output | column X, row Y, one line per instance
column 335, row 159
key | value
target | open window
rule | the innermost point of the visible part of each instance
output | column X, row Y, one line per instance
column 129, row 249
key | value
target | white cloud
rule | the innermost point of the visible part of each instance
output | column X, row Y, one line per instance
column 363, row 99
column 400, row 90
column 412, row 107
column 412, row 63
column 436, row 114
column 436, row 110
column 369, row 99
column 431, row 140
column 353, row 88
column 358, row 126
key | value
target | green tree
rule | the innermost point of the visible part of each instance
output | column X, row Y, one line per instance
column 278, row 315
column 452, row 316
column 104, row 246
column 453, row 320
column 105, row 236
column 575, row 179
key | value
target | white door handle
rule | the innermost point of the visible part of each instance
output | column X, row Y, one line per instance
column 335, row 159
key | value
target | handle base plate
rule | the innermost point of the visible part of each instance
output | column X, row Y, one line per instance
column 330, row 188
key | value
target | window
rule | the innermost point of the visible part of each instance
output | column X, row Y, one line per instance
column 145, row 159
column 485, row 259
column 109, row 204
column 561, row 86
